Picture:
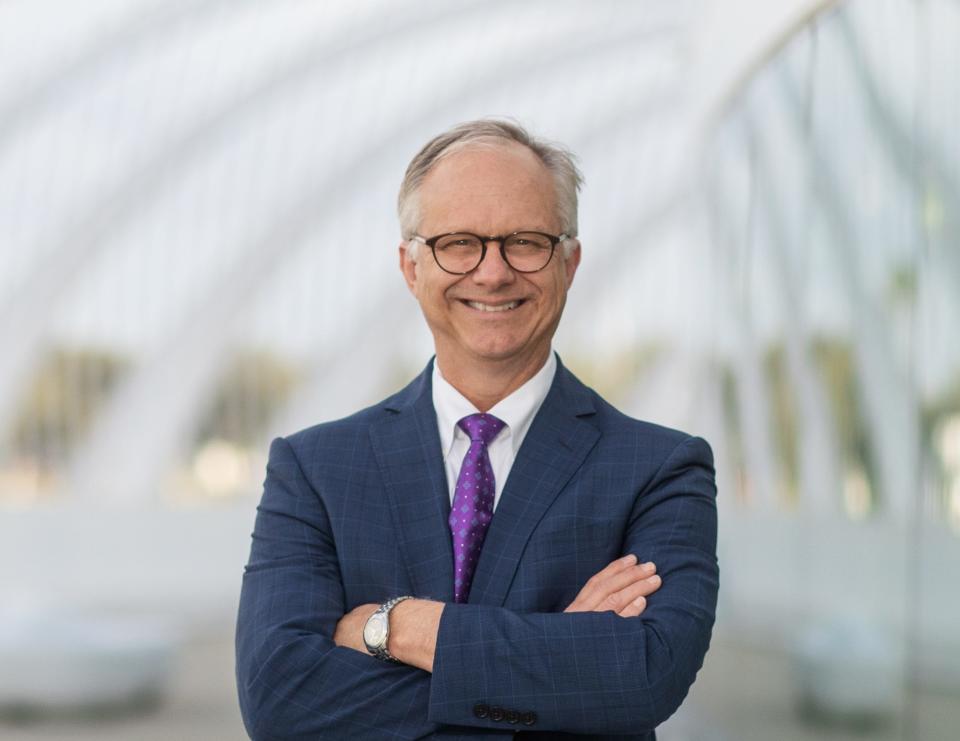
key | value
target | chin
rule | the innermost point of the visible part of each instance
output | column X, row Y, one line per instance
column 501, row 348
column 495, row 353
column 494, row 349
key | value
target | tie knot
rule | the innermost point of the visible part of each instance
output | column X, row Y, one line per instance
column 481, row 428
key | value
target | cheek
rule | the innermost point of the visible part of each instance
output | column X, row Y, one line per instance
column 432, row 292
column 557, row 291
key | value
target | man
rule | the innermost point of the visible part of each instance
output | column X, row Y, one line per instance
column 474, row 556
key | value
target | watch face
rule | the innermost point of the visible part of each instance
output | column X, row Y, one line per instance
column 375, row 631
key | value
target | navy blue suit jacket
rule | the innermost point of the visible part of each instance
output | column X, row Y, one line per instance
column 355, row 511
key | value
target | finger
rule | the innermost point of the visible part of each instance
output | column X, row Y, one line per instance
column 602, row 590
column 613, row 568
column 635, row 608
column 627, row 577
column 602, row 585
column 588, row 594
column 625, row 599
column 619, row 599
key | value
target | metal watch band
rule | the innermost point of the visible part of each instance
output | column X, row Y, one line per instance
column 381, row 652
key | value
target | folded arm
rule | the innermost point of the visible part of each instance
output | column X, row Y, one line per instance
column 621, row 587
column 598, row 672
column 293, row 680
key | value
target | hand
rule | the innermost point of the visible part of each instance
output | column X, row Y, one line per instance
column 622, row 587
column 414, row 624
column 349, row 632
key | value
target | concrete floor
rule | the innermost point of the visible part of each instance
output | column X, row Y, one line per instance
column 200, row 706
column 746, row 694
column 742, row 694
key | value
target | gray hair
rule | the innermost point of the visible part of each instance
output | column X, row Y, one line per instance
column 484, row 132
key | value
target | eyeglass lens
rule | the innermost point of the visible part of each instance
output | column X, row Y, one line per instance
column 525, row 251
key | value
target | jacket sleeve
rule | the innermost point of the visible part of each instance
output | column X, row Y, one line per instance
column 597, row 672
column 293, row 681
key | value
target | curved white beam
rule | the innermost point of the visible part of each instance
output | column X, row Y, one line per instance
column 819, row 469
column 889, row 401
column 25, row 314
column 139, row 25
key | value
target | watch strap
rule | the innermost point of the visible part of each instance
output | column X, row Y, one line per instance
column 381, row 651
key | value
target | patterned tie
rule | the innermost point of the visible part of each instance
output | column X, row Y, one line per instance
column 472, row 507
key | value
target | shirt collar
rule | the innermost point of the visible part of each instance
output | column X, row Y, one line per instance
column 516, row 410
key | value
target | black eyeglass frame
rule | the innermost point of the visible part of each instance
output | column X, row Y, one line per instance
column 432, row 244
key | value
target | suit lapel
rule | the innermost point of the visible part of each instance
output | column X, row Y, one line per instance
column 556, row 445
column 406, row 445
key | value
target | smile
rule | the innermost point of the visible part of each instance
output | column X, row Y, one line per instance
column 509, row 306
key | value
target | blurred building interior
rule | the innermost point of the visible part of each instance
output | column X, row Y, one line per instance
column 197, row 203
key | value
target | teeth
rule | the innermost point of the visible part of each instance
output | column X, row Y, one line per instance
column 488, row 307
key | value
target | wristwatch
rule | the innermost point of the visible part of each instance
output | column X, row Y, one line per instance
column 376, row 631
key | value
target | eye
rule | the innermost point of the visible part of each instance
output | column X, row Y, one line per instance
column 459, row 242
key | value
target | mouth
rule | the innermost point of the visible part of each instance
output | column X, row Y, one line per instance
column 493, row 308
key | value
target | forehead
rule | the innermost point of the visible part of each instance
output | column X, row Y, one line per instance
column 490, row 189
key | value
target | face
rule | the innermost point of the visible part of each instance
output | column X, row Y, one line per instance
column 493, row 313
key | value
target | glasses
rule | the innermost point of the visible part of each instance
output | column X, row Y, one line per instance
column 461, row 252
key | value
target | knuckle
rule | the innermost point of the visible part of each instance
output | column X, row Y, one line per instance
column 613, row 602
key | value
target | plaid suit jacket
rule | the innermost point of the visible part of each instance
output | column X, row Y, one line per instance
column 355, row 511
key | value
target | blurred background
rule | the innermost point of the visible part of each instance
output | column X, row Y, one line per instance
column 198, row 253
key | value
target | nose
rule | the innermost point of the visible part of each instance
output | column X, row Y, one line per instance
column 493, row 270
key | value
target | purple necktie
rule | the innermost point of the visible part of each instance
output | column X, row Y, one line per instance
column 472, row 507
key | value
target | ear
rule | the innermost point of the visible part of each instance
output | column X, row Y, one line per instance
column 408, row 266
column 572, row 262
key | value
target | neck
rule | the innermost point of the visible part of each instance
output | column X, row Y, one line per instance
column 485, row 383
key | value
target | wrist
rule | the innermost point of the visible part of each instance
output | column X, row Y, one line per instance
column 403, row 636
column 413, row 633
column 378, row 627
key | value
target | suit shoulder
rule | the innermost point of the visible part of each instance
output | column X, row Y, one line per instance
column 341, row 430
column 613, row 423
column 617, row 425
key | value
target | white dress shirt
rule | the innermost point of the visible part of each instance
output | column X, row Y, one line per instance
column 517, row 411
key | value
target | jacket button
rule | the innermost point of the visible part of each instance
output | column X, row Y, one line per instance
column 528, row 718
column 496, row 713
column 481, row 710
column 512, row 716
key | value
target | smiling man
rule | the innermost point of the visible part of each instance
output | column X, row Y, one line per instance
column 494, row 550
